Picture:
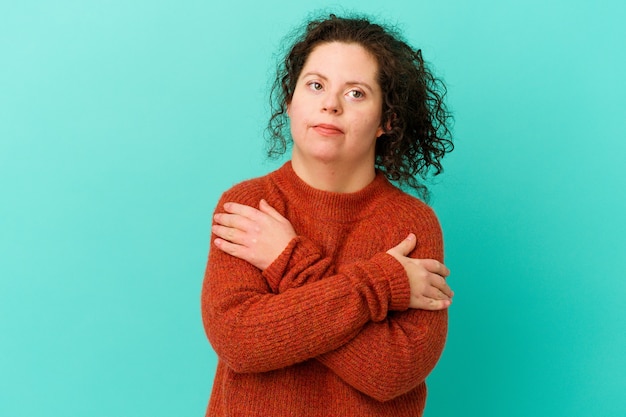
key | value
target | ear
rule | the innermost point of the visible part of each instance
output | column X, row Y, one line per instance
column 382, row 131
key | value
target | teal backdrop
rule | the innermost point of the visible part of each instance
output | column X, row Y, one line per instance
column 122, row 122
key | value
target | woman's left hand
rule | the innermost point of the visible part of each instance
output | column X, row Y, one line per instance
column 257, row 236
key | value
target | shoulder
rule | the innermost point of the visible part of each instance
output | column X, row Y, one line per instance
column 407, row 208
column 248, row 192
column 401, row 213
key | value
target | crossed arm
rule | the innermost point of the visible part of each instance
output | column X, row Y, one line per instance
column 383, row 353
column 259, row 236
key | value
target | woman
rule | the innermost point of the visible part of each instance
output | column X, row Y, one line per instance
column 324, row 293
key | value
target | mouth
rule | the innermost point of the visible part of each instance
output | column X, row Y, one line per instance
column 327, row 129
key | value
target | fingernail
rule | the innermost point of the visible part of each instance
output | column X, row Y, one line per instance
column 411, row 236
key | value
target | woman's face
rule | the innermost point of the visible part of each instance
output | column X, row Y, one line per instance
column 335, row 113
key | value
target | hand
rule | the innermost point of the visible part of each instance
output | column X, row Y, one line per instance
column 429, row 290
column 256, row 236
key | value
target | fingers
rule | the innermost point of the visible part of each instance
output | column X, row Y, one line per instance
column 405, row 247
column 228, row 247
column 237, row 216
column 241, row 216
column 233, row 220
column 438, row 282
column 430, row 297
column 241, row 209
column 229, row 234
column 436, row 294
column 234, row 225
column 236, row 250
column 433, row 304
column 429, row 289
column 265, row 207
column 435, row 267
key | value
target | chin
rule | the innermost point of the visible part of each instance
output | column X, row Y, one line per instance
column 326, row 154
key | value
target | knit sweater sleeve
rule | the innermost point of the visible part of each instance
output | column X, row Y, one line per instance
column 254, row 329
column 301, row 262
column 391, row 357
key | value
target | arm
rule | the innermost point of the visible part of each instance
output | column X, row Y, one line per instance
column 401, row 350
column 268, row 241
column 389, row 358
column 253, row 329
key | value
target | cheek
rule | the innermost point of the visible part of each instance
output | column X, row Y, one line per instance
column 371, row 125
column 296, row 112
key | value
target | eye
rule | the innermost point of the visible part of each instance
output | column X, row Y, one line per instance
column 315, row 86
column 355, row 94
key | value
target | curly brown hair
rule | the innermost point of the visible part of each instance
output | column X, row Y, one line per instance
column 417, row 121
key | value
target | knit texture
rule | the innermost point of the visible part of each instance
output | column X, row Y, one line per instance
column 325, row 330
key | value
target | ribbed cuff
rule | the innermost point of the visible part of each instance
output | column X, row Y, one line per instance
column 400, row 290
column 299, row 251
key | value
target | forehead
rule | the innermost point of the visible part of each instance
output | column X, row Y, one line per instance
column 342, row 59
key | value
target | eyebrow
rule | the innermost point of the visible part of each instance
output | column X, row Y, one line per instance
column 317, row 74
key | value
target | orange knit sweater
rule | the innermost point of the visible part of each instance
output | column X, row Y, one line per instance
column 325, row 330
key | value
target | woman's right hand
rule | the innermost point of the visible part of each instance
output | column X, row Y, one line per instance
column 257, row 236
column 429, row 290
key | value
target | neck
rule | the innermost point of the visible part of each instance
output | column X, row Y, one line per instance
column 334, row 177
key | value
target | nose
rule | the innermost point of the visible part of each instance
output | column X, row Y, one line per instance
column 331, row 104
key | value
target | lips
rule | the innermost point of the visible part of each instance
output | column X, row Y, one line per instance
column 327, row 129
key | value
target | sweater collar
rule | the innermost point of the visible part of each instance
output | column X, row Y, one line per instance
column 330, row 205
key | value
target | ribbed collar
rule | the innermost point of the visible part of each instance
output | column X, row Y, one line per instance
column 332, row 206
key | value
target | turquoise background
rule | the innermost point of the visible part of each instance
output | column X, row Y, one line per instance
column 122, row 122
